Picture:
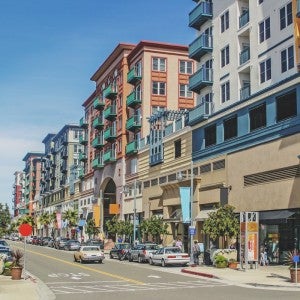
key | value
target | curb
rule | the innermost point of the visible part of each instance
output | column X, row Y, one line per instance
column 199, row 274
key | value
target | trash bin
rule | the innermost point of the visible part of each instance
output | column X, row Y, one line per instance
column 206, row 258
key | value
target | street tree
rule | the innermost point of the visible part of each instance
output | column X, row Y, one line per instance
column 154, row 227
column 5, row 219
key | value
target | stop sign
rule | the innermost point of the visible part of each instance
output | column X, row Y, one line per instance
column 25, row 229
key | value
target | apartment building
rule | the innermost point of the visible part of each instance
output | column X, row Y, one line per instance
column 246, row 135
column 134, row 82
column 18, row 200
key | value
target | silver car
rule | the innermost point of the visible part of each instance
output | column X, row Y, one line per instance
column 141, row 252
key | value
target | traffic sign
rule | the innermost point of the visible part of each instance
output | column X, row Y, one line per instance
column 192, row 230
column 25, row 229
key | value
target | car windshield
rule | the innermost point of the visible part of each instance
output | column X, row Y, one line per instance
column 4, row 243
column 172, row 250
column 151, row 247
column 90, row 249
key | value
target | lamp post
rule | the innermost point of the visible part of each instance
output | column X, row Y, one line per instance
column 191, row 211
column 134, row 211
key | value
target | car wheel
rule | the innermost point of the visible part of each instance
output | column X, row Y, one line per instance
column 140, row 260
column 100, row 261
column 110, row 255
column 75, row 260
column 81, row 261
column 150, row 261
column 130, row 259
column 163, row 263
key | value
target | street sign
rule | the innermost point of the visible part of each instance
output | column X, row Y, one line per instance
column 296, row 258
column 25, row 229
column 192, row 230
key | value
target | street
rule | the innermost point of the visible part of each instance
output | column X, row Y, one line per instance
column 129, row 280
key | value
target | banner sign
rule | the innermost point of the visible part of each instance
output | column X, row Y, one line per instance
column 185, row 196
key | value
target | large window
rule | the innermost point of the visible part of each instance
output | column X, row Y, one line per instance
column 265, row 70
column 225, row 56
column 158, row 88
column 225, row 92
column 225, row 21
column 230, row 128
column 287, row 59
column 264, row 30
column 286, row 16
column 210, row 135
column 185, row 67
column 286, row 106
column 158, row 64
column 184, row 91
column 177, row 146
column 257, row 117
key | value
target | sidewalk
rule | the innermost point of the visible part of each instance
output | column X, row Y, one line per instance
column 269, row 277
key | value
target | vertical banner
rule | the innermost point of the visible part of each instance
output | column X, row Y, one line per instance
column 185, row 196
column 96, row 214
column 58, row 220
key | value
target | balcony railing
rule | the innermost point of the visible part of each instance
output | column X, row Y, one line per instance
column 132, row 148
column 202, row 45
column 82, row 156
column 134, row 76
column 98, row 142
column 200, row 14
column 82, row 139
column 245, row 56
column 202, row 78
column 244, row 18
column 98, row 163
column 83, row 123
column 110, row 92
column 201, row 112
column 98, row 123
column 110, row 134
column 81, row 173
column 98, row 103
column 134, row 123
column 110, row 113
column 133, row 99
column 109, row 156
column 245, row 92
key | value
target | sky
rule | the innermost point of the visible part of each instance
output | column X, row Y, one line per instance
column 48, row 52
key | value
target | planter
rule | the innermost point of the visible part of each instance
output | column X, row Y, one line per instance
column 233, row 265
column 16, row 273
column 293, row 275
column 222, row 264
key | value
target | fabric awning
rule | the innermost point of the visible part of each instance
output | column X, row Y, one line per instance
column 275, row 215
column 203, row 214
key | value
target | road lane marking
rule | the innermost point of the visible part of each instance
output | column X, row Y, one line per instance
column 88, row 268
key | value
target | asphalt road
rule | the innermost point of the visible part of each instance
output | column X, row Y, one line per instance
column 114, row 279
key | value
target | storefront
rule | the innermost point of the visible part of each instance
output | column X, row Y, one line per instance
column 279, row 232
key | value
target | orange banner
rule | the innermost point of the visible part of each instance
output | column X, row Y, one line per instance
column 114, row 209
column 96, row 214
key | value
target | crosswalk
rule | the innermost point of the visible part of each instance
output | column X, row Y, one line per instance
column 62, row 288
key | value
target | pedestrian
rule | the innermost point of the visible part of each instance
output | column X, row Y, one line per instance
column 263, row 257
column 179, row 243
column 196, row 252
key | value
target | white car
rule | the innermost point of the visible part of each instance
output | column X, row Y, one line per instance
column 169, row 256
column 89, row 253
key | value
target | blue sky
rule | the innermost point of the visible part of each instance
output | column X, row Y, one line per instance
column 48, row 52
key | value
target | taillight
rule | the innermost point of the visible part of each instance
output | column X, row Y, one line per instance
column 171, row 256
column 185, row 256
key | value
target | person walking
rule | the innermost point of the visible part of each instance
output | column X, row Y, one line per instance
column 196, row 253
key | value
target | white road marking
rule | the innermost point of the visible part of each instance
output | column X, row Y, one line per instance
column 154, row 276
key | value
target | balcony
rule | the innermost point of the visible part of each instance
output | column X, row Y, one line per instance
column 109, row 156
column 81, row 173
column 202, row 45
column 245, row 56
column 200, row 14
column 200, row 112
column 134, row 124
column 110, row 92
column 110, row 113
column 134, row 76
column 244, row 18
column 98, row 142
column 98, row 103
column 82, row 156
column 110, row 134
column 201, row 79
column 133, row 99
column 83, row 123
column 98, row 123
column 83, row 140
column 155, row 159
column 132, row 148
column 97, row 163
column 245, row 92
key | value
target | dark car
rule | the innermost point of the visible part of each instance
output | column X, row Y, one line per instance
column 95, row 242
column 72, row 245
column 6, row 250
column 60, row 243
column 4, row 243
column 36, row 240
column 119, row 250
column 141, row 252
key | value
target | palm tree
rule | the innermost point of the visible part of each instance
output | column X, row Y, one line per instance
column 45, row 220
column 71, row 216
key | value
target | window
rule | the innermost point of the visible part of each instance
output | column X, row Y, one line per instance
column 177, row 146
column 264, row 30
column 210, row 135
column 138, row 92
column 76, row 134
column 184, row 91
column 287, row 59
column 158, row 88
column 265, row 70
column 225, row 92
column 225, row 21
column 230, row 128
column 185, row 67
column 286, row 16
column 257, row 117
column 158, row 64
column 156, row 109
column 225, row 56
column 77, row 148
column 286, row 106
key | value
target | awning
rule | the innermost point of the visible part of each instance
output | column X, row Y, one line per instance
column 203, row 214
column 275, row 215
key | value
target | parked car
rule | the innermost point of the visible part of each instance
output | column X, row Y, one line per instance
column 89, row 253
column 95, row 242
column 51, row 243
column 60, row 242
column 119, row 250
column 6, row 251
column 29, row 239
column 45, row 240
column 72, row 245
column 141, row 252
column 4, row 243
column 169, row 256
column 36, row 240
